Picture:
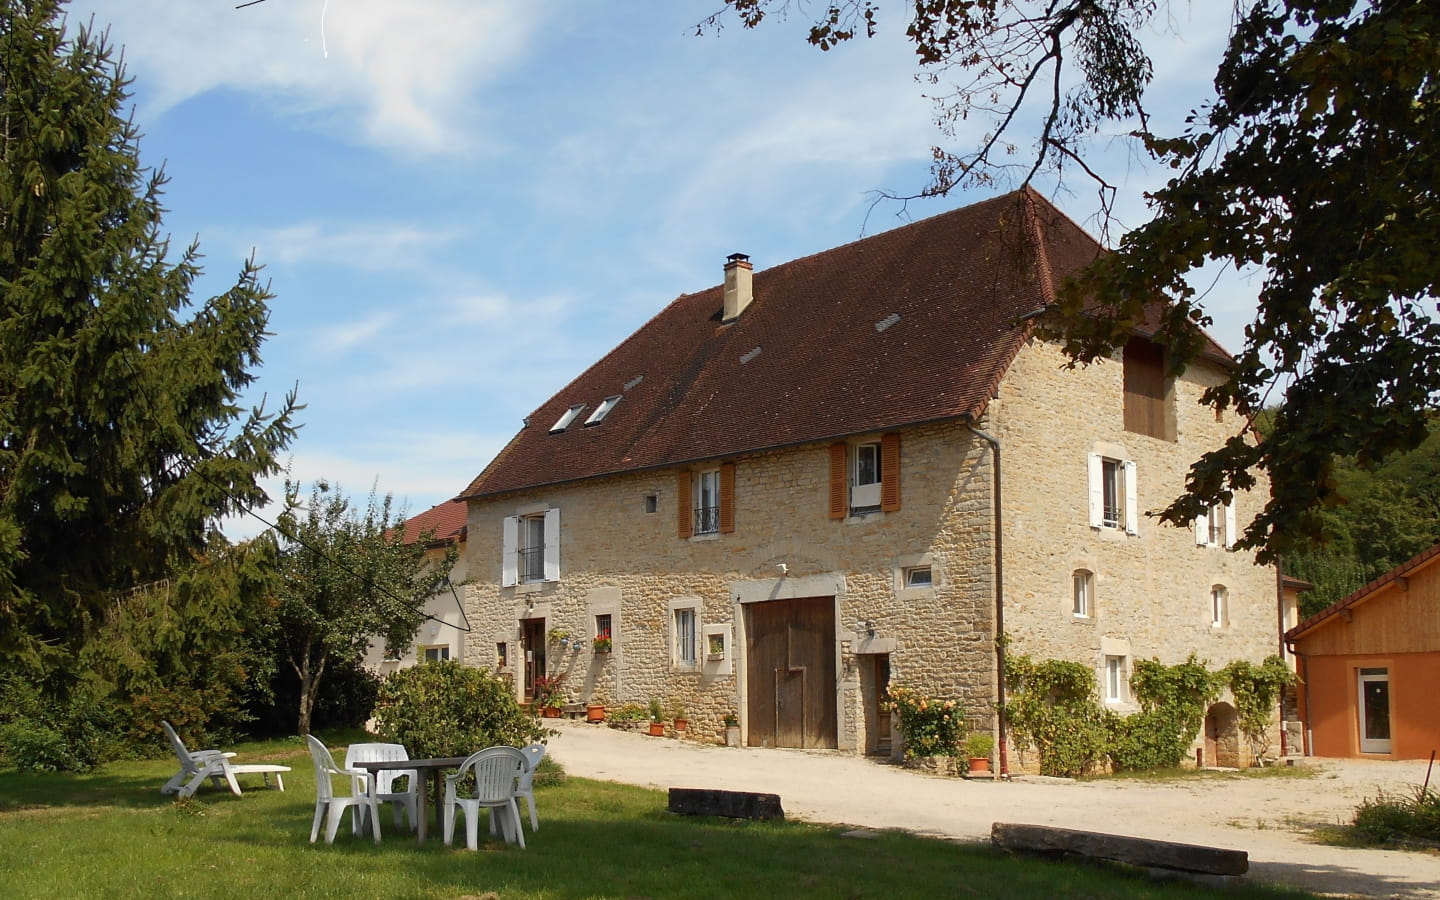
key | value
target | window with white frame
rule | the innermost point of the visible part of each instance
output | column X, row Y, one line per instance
column 437, row 653
column 707, row 502
column 1114, row 679
column 919, row 577
column 685, row 631
column 1113, row 498
column 1219, row 606
column 531, row 548
column 1217, row 527
column 1083, row 593
column 865, row 476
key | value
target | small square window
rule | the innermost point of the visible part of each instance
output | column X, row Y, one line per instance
column 918, row 576
column 652, row 502
column 437, row 653
column 502, row 655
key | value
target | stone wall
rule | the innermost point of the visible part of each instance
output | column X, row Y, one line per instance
column 1152, row 588
column 616, row 557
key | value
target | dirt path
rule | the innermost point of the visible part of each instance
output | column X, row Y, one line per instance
column 1265, row 817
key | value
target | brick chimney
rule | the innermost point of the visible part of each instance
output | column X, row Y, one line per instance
column 738, row 293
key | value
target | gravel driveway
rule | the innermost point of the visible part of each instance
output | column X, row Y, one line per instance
column 1265, row 817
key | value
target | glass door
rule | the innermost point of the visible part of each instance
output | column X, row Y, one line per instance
column 1375, row 710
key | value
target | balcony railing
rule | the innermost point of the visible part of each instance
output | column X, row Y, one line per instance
column 707, row 519
column 532, row 564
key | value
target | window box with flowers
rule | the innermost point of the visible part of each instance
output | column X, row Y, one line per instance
column 602, row 642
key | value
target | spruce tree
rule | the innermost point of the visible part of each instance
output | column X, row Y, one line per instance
column 123, row 437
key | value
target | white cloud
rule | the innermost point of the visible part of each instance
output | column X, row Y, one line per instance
column 406, row 75
column 367, row 247
column 338, row 339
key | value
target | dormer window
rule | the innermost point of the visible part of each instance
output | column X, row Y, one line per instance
column 602, row 410
column 570, row 415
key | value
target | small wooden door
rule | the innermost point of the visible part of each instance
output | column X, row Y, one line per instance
column 532, row 637
column 790, row 671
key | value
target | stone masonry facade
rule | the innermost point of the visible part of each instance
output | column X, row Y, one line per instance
column 620, row 555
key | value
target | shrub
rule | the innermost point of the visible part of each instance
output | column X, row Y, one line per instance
column 630, row 712
column 1172, row 703
column 1257, row 692
column 40, row 735
column 439, row 709
column 1053, row 708
column 1386, row 818
column 932, row 727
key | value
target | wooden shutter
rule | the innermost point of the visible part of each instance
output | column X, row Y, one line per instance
column 686, row 517
column 1132, row 500
column 727, row 498
column 1230, row 534
column 552, row 544
column 1097, row 490
column 1202, row 530
column 890, row 472
column 509, row 545
column 838, row 482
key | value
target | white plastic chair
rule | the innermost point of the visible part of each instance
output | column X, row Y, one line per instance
column 197, row 765
column 384, row 783
column 361, row 801
column 533, row 754
column 497, row 771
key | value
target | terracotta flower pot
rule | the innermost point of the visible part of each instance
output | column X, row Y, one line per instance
column 681, row 724
column 979, row 765
column 595, row 713
column 657, row 729
column 550, row 712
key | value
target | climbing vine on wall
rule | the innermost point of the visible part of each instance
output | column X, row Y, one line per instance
column 1257, row 692
column 1052, row 707
column 1172, row 708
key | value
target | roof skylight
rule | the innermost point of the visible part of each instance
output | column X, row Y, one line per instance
column 749, row 355
column 887, row 321
column 569, row 416
column 602, row 410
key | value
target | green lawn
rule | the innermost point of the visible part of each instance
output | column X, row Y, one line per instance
column 111, row 834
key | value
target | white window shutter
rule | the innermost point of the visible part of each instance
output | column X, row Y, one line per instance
column 1202, row 530
column 509, row 556
column 1230, row 525
column 1097, row 492
column 552, row 544
column 1132, row 502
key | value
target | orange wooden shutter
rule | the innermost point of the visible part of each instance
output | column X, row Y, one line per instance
column 727, row 498
column 686, row 519
column 890, row 472
column 838, row 454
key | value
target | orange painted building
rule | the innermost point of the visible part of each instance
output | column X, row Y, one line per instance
column 1370, row 667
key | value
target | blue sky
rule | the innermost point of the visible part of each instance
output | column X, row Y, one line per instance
column 461, row 204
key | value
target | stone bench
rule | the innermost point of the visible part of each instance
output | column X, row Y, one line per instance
column 731, row 804
column 1144, row 852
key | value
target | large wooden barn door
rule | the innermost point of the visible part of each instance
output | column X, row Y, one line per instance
column 790, row 672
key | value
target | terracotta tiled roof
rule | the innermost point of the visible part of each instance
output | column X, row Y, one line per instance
column 912, row 325
column 447, row 521
column 1363, row 594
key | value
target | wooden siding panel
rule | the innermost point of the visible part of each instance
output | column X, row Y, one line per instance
column 1391, row 621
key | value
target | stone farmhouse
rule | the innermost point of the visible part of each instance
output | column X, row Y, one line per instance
column 787, row 490
column 441, row 635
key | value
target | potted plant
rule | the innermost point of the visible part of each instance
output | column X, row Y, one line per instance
column 595, row 706
column 677, row 712
column 732, row 730
column 549, row 695
column 602, row 642
column 558, row 634
column 978, row 747
column 657, row 718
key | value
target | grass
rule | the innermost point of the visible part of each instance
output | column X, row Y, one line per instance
column 111, row 834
